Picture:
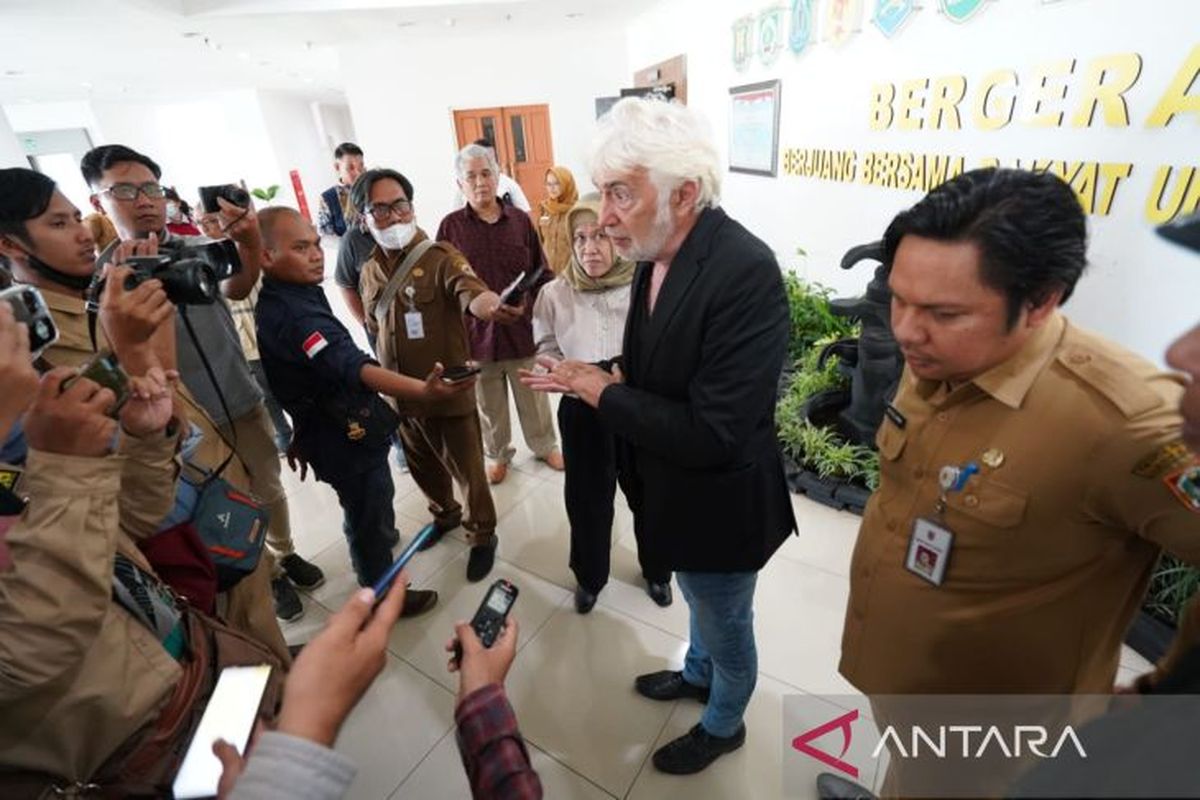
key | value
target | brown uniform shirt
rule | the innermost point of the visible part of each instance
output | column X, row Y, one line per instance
column 555, row 234
column 439, row 287
column 1079, row 488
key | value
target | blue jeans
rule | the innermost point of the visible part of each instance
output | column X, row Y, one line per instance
column 369, row 520
column 721, row 654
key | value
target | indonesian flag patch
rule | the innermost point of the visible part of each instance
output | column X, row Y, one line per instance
column 314, row 344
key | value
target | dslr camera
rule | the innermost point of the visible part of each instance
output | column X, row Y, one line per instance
column 191, row 274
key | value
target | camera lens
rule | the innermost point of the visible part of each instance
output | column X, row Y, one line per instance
column 31, row 301
column 41, row 330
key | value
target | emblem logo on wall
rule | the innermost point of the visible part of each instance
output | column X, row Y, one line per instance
column 961, row 10
column 770, row 35
column 843, row 19
column 803, row 19
column 890, row 15
column 743, row 42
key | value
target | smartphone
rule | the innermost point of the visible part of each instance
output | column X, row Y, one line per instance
column 459, row 374
column 228, row 191
column 29, row 308
column 106, row 371
column 489, row 618
column 515, row 293
column 383, row 584
column 229, row 715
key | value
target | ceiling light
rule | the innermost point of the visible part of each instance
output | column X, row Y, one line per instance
column 451, row 22
column 406, row 24
column 86, row 84
column 12, row 73
column 244, row 56
column 575, row 15
column 191, row 34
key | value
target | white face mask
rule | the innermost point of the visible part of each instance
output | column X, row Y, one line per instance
column 172, row 210
column 393, row 237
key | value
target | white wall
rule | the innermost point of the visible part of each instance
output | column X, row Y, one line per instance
column 1139, row 290
column 402, row 94
column 213, row 138
column 11, row 154
column 292, row 133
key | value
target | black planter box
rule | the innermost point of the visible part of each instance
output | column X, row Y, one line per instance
column 826, row 491
column 1149, row 636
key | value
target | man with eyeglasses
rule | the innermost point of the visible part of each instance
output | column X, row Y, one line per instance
column 501, row 243
column 415, row 292
column 125, row 186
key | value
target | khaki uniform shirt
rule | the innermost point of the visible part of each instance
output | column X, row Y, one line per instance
column 555, row 234
column 439, row 287
column 80, row 674
column 74, row 348
column 1082, row 482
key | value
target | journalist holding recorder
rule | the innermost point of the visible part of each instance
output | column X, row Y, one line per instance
column 126, row 187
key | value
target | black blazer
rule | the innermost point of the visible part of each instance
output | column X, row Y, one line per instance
column 695, row 418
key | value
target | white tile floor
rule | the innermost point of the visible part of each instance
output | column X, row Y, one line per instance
column 589, row 734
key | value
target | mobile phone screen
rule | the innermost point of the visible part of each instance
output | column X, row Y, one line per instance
column 383, row 584
column 230, row 716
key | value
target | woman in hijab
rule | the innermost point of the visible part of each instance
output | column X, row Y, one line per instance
column 561, row 197
column 581, row 315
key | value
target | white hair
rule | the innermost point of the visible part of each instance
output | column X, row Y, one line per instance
column 475, row 151
column 670, row 141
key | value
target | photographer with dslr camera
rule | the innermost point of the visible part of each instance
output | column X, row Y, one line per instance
column 126, row 187
column 45, row 244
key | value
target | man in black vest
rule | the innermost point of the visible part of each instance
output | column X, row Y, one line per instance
column 692, row 399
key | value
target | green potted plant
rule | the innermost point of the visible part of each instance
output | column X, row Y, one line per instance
column 266, row 195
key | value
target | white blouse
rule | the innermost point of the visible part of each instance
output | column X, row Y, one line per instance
column 585, row 326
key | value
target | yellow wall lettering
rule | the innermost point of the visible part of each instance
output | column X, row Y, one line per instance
column 882, row 95
column 912, row 99
column 993, row 108
column 1111, row 175
column 1104, row 86
column 947, row 92
column 1085, row 187
column 1176, row 99
column 1162, row 208
column 1050, row 80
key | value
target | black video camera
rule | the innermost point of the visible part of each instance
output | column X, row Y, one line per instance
column 230, row 192
column 220, row 255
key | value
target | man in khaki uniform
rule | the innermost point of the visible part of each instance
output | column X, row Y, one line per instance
column 1031, row 472
column 58, row 260
column 419, row 325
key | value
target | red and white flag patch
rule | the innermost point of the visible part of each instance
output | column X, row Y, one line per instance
column 314, row 344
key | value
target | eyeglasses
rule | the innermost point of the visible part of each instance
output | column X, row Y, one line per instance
column 383, row 211
column 129, row 191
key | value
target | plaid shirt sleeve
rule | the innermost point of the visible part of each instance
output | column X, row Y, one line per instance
column 492, row 749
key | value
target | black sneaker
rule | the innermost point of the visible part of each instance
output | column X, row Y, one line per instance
column 304, row 574
column 835, row 787
column 287, row 603
column 483, row 556
column 695, row 750
column 668, row 685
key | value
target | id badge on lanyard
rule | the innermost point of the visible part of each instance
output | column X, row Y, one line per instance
column 931, row 542
column 414, row 323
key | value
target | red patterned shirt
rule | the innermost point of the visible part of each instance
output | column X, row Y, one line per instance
column 492, row 749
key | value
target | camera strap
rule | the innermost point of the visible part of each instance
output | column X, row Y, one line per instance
column 187, row 323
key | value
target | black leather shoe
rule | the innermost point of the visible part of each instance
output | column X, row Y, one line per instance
column 584, row 600
column 835, row 787
column 480, row 562
column 439, row 531
column 660, row 593
column 695, row 750
column 668, row 685
column 418, row 601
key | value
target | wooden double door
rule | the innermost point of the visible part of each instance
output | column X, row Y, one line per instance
column 523, row 145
